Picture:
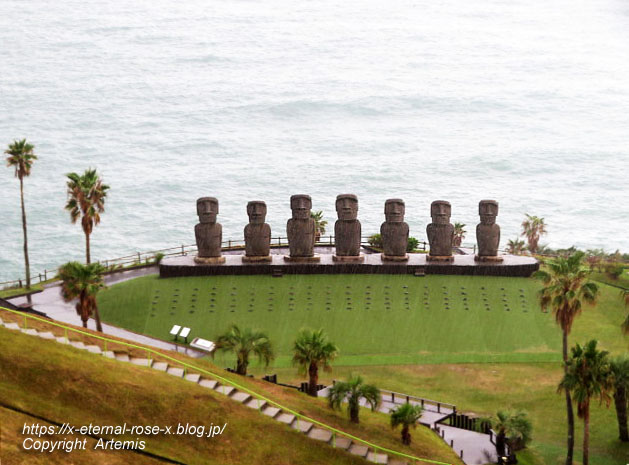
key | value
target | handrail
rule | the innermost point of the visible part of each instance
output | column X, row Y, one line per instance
column 148, row 350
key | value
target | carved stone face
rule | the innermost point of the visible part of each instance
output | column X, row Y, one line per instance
column 347, row 207
column 207, row 209
column 440, row 211
column 301, row 205
column 256, row 209
column 394, row 210
column 488, row 210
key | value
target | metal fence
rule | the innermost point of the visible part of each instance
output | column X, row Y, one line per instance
column 148, row 257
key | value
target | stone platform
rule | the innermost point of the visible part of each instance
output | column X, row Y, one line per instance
column 512, row 265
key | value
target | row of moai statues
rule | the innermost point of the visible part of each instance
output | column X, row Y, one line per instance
column 301, row 233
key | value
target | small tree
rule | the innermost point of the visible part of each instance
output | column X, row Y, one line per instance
column 375, row 240
column 82, row 282
column 243, row 342
column 406, row 415
column 516, row 246
column 459, row 234
column 311, row 351
column 352, row 391
column 620, row 377
column 512, row 429
column 588, row 375
column 533, row 228
column 320, row 224
column 412, row 244
column 20, row 156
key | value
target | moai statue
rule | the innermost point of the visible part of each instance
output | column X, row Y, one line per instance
column 257, row 234
column 208, row 233
column 440, row 232
column 300, row 230
column 347, row 230
column 488, row 232
column 394, row 231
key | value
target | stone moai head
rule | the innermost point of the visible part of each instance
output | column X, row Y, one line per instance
column 347, row 207
column 394, row 210
column 256, row 209
column 488, row 210
column 300, row 204
column 440, row 211
column 207, row 209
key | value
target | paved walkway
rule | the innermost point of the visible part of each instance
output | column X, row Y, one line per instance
column 52, row 304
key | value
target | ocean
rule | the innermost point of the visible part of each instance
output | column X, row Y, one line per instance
column 525, row 102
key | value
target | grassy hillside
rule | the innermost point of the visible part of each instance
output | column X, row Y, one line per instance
column 375, row 319
column 62, row 384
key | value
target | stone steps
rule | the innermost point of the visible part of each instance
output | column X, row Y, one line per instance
column 303, row 426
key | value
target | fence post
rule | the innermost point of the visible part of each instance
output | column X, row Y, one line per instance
column 438, row 407
column 330, row 239
column 139, row 258
column 182, row 251
column 229, row 246
column 45, row 275
column 20, row 282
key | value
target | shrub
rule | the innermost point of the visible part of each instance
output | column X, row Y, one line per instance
column 375, row 240
column 413, row 243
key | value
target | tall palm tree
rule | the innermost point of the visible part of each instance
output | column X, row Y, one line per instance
column 352, row 391
column 21, row 157
column 533, row 228
column 624, row 294
column 406, row 415
column 513, row 429
column 516, row 246
column 83, row 282
column 243, row 342
column 566, row 290
column 320, row 224
column 459, row 234
column 588, row 376
column 620, row 372
column 86, row 200
column 311, row 351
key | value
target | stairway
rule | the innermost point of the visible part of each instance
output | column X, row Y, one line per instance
column 309, row 429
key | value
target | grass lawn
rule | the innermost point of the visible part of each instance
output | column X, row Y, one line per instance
column 375, row 319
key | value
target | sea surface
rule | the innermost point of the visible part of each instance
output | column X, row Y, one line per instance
column 523, row 101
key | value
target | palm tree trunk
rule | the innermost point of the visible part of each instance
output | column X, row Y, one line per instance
column 313, row 372
column 26, row 262
column 406, row 436
column 99, row 327
column 241, row 367
column 87, row 248
column 569, row 409
column 353, row 414
column 586, row 433
column 500, row 444
column 620, row 402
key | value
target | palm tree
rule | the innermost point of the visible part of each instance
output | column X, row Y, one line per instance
column 311, row 351
column 352, row 391
column 243, row 342
column 82, row 282
column 86, row 200
column 512, row 429
column 533, row 228
column 566, row 289
column 588, row 375
column 620, row 371
column 320, row 224
column 406, row 415
column 624, row 294
column 459, row 234
column 21, row 157
column 516, row 246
